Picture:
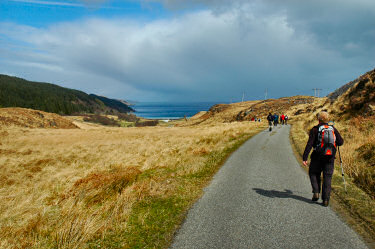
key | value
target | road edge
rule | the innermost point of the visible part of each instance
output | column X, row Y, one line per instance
column 227, row 152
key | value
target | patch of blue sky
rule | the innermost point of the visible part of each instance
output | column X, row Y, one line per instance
column 43, row 13
column 14, row 44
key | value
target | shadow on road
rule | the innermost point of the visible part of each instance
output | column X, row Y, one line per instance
column 281, row 194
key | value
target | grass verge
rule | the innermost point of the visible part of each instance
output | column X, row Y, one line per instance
column 154, row 220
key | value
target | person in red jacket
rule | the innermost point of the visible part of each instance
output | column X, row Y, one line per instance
column 283, row 119
column 321, row 163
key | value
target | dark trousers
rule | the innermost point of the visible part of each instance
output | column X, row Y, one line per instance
column 317, row 166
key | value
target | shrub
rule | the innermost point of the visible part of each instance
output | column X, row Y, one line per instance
column 101, row 120
column 147, row 123
column 367, row 153
column 128, row 117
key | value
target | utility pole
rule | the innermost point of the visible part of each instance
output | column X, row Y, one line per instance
column 317, row 90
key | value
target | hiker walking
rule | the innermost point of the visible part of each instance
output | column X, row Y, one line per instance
column 270, row 119
column 282, row 119
column 286, row 119
column 275, row 119
column 323, row 138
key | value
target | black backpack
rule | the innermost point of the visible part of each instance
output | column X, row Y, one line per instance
column 326, row 145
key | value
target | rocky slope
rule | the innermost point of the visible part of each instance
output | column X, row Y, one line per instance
column 356, row 98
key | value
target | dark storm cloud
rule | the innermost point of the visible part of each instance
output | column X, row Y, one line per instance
column 345, row 25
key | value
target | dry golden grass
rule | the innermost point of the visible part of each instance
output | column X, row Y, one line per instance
column 357, row 97
column 245, row 111
column 223, row 113
column 22, row 117
column 89, row 187
column 64, row 188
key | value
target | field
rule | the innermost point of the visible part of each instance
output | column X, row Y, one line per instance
column 66, row 183
column 100, row 187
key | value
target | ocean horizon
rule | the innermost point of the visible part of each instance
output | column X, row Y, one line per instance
column 171, row 110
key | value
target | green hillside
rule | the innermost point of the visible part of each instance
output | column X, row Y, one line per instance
column 113, row 103
column 17, row 92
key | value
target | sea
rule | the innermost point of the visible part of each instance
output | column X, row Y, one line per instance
column 170, row 110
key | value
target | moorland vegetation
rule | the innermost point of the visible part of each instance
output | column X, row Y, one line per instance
column 106, row 187
column 115, row 187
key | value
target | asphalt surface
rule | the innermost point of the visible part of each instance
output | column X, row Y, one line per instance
column 261, row 198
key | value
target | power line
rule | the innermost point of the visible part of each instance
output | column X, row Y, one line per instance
column 317, row 91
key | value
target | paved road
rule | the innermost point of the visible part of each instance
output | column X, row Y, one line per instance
column 260, row 198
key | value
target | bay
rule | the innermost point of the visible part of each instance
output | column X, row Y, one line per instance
column 170, row 110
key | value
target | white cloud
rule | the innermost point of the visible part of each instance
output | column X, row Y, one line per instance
column 201, row 55
column 49, row 3
column 92, row 4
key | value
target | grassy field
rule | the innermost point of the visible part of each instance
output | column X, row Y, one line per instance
column 99, row 187
column 116, row 187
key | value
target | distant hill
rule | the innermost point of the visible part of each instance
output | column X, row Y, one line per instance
column 119, row 105
column 338, row 92
column 356, row 97
column 246, row 111
column 17, row 92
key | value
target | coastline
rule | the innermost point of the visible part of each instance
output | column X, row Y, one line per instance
column 170, row 110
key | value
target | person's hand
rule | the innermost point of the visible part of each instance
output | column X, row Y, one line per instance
column 305, row 163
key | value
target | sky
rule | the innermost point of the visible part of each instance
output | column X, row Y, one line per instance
column 188, row 50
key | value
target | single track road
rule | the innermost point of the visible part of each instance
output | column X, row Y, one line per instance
column 261, row 198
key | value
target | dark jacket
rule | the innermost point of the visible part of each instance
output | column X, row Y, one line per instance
column 313, row 141
column 270, row 117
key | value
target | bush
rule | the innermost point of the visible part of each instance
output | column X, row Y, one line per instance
column 101, row 120
column 128, row 117
column 147, row 123
column 367, row 153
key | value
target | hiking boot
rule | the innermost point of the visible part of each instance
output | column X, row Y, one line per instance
column 325, row 203
column 315, row 197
